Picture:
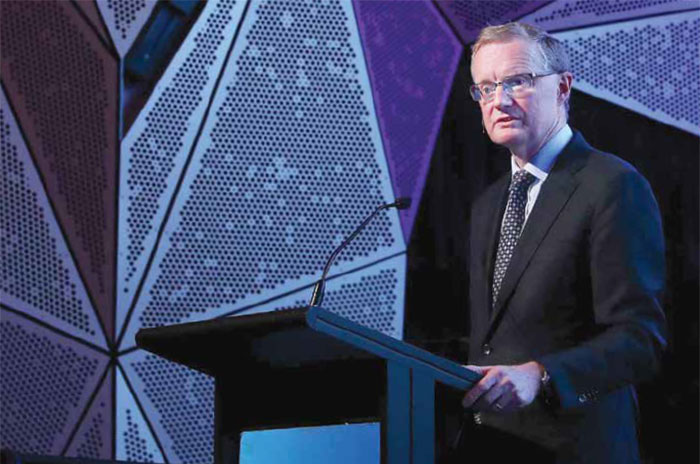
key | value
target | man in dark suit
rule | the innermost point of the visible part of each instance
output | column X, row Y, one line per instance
column 566, row 267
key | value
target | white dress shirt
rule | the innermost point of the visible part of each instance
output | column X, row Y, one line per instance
column 540, row 164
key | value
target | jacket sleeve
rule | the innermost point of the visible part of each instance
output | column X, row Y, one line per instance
column 627, row 272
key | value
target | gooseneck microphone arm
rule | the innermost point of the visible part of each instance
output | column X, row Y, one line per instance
column 319, row 288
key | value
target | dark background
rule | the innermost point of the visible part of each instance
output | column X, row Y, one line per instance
column 465, row 162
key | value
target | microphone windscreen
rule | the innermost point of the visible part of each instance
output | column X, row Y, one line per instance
column 403, row 203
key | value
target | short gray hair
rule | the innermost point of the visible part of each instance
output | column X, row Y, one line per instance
column 551, row 52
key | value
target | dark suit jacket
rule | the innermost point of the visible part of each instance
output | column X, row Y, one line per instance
column 580, row 296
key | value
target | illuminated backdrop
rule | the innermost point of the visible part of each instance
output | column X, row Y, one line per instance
column 273, row 128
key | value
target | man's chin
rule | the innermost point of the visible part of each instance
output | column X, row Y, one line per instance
column 507, row 137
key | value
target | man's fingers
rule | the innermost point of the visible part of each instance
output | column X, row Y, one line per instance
column 500, row 403
column 474, row 394
column 506, row 403
column 488, row 398
column 521, row 383
column 479, row 389
column 478, row 369
column 500, row 391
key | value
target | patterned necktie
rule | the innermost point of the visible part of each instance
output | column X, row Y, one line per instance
column 513, row 221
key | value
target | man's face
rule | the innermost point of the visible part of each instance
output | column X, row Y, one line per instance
column 522, row 123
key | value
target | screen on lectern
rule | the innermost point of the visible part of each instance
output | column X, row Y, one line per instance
column 339, row 444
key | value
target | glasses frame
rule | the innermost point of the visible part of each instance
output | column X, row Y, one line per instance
column 477, row 96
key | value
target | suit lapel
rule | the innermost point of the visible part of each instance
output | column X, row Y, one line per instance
column 486, row 219
column 554, row 194
column 492, row 230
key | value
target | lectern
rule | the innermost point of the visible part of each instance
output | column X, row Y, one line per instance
column 309, row 366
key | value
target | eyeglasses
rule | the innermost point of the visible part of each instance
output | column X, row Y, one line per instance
column 513, row 86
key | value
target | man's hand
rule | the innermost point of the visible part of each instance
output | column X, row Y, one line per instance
column 504, row 388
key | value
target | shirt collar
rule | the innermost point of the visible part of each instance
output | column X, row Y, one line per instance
column 540, row 164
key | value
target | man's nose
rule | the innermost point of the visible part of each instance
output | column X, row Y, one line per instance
column 501, row 98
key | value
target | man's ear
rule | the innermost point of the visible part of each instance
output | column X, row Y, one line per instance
column 566, row 79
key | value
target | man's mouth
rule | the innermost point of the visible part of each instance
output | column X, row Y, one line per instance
column 505, row 119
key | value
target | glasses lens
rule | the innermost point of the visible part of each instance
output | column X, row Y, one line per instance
column 482, row 92
column 475, row 92
column 487, row 90
column 515, row 84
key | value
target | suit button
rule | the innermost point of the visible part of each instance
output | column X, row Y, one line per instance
column 486, row 349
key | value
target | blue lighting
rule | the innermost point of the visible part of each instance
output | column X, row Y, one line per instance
column 339, row 444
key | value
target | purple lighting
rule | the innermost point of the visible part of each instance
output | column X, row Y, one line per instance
column 412, row 57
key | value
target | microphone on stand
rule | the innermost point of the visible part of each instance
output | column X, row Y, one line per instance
column 319, row 288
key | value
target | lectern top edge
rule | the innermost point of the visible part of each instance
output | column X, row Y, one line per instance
column 291, row 338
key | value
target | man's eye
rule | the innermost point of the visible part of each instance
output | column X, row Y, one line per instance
column 515, row 81
column 487, row 89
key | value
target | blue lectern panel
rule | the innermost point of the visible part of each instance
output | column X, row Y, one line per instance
column 339, row 444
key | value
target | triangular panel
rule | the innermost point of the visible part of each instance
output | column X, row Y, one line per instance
column 650, row 66
column 124, row 19
column 468, row 17
column 39, row 277
column 567, row 14
column 93, row 439
column 289, row 162
column 62, row 83
column 155, row 150
column 411, row 80
column 134, row 439
column 373, row 297
column 178, row 401
column 89, row 8
column 45, row 385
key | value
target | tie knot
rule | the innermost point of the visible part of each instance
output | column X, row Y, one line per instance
column 521, row 181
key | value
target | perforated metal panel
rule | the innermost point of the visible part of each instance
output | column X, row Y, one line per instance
column 469, row 16
column 411, row 80
column 180, row 405
column 38, row 274
column 89, row 8
column 651, row 66
column 134, row 440
column 288, row 163
column 45, row 384
column 373, row 297
column 124, row 19
column 567, row 14
column 62, row 83
column 93, row 439
column 155, row 150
